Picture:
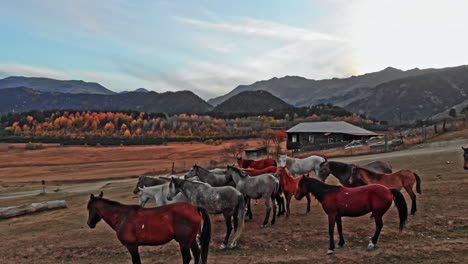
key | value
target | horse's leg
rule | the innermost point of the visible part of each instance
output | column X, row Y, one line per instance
column 331, row 229
column 185, row 250
column 409, row 190
column 280, row 202
column 134, row 253
column 288, row 202
column 249, row 210
column 308, row 202
column 378, row 228
column 268, row 209
column 227, row 220
column 340, row 231
column 274, row 210
column 195, row 251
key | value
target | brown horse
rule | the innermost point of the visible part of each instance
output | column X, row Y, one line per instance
column 255, row 164
column 255, row 172
column 465, row 157
column 137, row 226
column 289, row 185
column 397, row 180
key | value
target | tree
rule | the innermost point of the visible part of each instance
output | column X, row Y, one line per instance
column 267, row 135
column 278, row 138
column 234, row 150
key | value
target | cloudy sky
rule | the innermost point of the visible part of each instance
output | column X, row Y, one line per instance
column 210, row 47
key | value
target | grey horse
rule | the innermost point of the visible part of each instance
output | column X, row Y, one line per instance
column 297, row 167
column 264, row 186
column 213, row 179
column 148, row 181
column 224, row 200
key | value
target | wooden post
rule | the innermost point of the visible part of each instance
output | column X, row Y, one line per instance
column 8, row 212
column 43, row 186
column 386, row 142
column 172, row 170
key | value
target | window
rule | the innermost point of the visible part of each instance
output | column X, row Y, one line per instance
column 330, row 140
column 294, row 138
column 311, row 139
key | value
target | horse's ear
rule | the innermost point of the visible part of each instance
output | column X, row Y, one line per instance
column 101, row 194
column 91, row 197
column 464, row 148
column 141, row 189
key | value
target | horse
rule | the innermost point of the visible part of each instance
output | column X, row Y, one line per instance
column 211, row 178
column 255, row 172
column 339, row 201
column 343, row 171
column 262, row 186
column 289, row 185
column 136, row 226
column 301, row 166
column 397, row 180
column 255, row 164
column 148, row 181
column 465, row 157
column 313, row 154
column 159, row 194
column 218, row 171
column 224, row 200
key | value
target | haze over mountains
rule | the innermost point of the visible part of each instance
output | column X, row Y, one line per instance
column 418, row 94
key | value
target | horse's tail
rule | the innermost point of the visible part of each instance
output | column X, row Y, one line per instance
column 205, row 235
column 240, row 211
column 401, row 205
column 418, row 183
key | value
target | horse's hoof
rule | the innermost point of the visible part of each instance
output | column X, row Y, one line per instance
column 371, row 246
column 233, row 244
column 329, row 252
column 263, row 226
column 223, row 246
column 340, row 246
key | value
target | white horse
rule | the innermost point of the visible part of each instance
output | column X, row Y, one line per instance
column 159, row 194
column 297, row 167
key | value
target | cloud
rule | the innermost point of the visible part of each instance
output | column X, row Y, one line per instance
column 12, row 69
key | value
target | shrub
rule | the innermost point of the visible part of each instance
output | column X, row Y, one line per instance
column 34, row 146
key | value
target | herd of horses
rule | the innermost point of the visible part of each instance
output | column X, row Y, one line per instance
column 184, row 203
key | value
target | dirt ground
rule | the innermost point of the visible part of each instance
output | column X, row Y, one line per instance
column 438, row 233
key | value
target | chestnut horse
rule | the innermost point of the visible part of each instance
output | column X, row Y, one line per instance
column 255, row 164
column 289, row 185
column 397, row 180
column 465, row 157
column 338, row 201
column 137, row 226
column 255, row 172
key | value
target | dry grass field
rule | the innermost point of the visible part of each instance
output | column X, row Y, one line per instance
column 438, row 233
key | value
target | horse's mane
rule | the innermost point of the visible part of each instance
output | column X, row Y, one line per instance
column 321, row 189
column 110, row 202
column 200, row 167
column 337, row 166
column 241, row 172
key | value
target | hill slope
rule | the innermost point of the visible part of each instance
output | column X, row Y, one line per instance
column 417, row 97
column 26, row 99
column 253, row 102
column 52, row 85
column 300, row 91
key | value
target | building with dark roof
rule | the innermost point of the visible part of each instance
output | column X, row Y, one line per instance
column 323, row 135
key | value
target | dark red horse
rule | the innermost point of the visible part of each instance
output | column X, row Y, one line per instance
column 255, row 172
column 288, row 186
column 338, row 201
column 255, row 164
column 465, row 157
column 137, row 226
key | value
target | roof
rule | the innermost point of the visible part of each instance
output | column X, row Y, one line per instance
column 255, row 149
column 330, row 127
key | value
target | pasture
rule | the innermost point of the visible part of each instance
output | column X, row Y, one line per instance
column 438, row 233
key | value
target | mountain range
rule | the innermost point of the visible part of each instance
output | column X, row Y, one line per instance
column 23, row 99
column 390, row 94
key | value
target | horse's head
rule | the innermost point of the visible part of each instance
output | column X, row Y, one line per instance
column 301, row 189
column 324, row 171
column 192, row 172
column 174, row 188
column 465, row 157
column 282, row 160
column 139, row 184
column 280, row 170
column 93, row 216
column 144, row 196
